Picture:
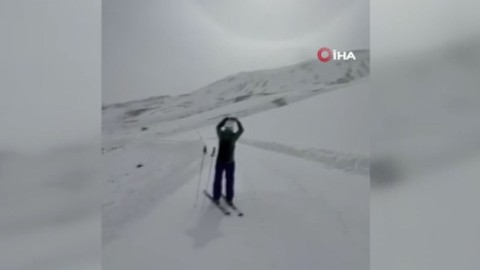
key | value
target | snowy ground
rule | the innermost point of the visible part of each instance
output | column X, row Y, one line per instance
column 301, row 179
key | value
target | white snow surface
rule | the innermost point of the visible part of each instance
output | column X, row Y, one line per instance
column 301, row 174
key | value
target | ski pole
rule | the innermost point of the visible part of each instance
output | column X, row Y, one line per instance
column 200, row 175
column 212, row 155
column 211, row 162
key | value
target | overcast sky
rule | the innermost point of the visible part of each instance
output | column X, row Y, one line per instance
column 160, row 47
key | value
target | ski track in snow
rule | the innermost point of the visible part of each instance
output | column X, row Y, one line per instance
column 349, row 163
column 292, row 221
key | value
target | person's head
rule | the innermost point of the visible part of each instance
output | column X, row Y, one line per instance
column 229, row 125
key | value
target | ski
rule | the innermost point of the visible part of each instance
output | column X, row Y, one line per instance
column 221, row 207
column 233, row 206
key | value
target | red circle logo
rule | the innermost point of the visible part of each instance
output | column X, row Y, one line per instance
column 322, row 52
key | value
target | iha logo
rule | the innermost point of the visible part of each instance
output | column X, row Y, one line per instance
column 326, row 54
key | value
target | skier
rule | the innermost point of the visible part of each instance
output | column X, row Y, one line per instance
column 227, row 138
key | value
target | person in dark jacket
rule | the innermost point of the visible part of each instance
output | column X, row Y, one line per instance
column 227, row 138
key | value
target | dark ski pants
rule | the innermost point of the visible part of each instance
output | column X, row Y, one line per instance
column 229, row 168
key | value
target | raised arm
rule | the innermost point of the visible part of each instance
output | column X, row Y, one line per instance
column 240, row 128
column 220, row 125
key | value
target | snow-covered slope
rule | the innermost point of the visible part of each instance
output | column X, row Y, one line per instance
column 241, row 94
column 301, row 174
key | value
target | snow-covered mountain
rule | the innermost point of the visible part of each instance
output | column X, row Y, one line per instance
column 242, row 94
column 301, row 173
